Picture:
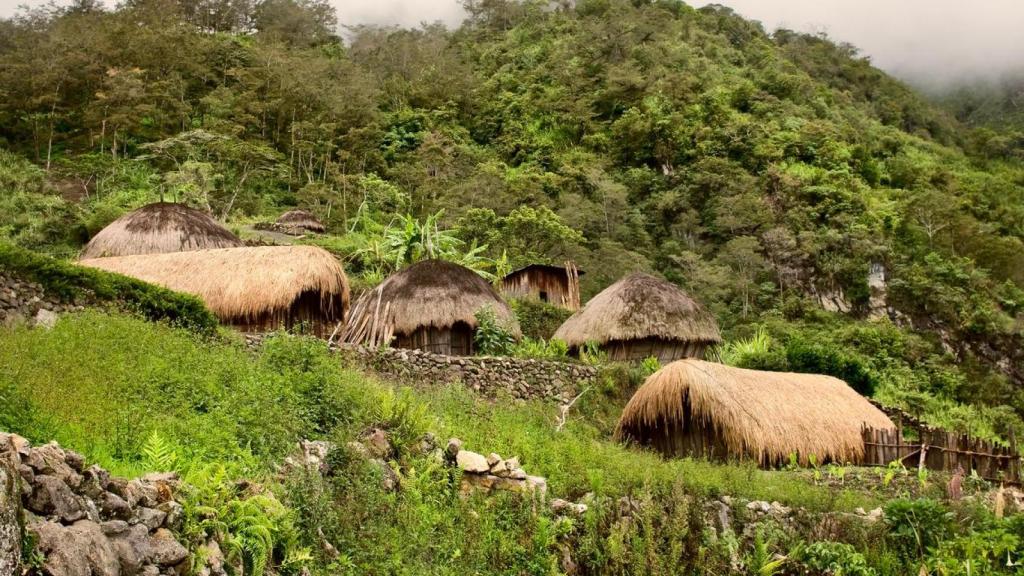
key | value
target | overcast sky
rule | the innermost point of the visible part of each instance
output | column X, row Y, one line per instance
column 916, row 39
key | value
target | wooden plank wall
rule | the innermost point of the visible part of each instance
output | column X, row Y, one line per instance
column 943, row 451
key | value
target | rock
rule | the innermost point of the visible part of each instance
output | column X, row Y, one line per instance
column 560, row 506
column 45, row 318
column 517, row 474
column 376, row 441
column 777, row 509
column 214, row 557
column 113, row 507
column 174, row 514
column 165, row 550
column 114, row 527
column 77, row 550
column 50, row 459
column 493, row 459
column 389, row 478
column 52, row 497
column 428, row 443
column 500, row 468
column 471, row 462
column 512, row 463
column 94, row 482
column 538, row 485
column 453, row 447
column 759, row 506
column 149, row 517
column 139, row 493
column 875, row 515
column 10, row 515
column 75, row 460
column 132, row 548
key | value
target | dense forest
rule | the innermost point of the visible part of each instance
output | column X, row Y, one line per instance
column 767, row 174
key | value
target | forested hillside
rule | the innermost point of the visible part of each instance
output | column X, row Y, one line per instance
column 769, row 175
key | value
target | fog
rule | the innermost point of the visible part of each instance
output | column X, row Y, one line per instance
column 924, row 41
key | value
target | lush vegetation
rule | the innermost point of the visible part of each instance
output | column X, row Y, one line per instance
column 766, row 174
column 834, row 221
column 136, row 396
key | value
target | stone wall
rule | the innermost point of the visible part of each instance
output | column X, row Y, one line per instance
column 24, row 301
column 10, row 518
column 85, row 521
column 521, row 378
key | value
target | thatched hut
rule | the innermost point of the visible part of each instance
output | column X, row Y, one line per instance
column 556, row 285
column 430, row 305
column 641, row 316
column 703, row 409
column 255, row 289
column 299, row 222
column 157, row 229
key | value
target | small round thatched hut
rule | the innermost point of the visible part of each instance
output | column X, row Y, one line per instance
column 703, row 409
column 430, row 305
column 255, row 289
column 159, row 228
column 641, row 316
column 299, row 222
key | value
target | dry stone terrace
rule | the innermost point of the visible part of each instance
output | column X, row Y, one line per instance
column 82, row 519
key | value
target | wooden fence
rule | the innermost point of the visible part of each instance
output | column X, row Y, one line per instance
column 937, row 449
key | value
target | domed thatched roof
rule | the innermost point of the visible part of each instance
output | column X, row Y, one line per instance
column 430, row 293
column 636, row 307
column 241, row 283
column 160, row 228
column 300, row 220
column 762, row 415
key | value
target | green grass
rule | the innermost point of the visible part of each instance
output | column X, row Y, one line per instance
column 134, row 396
column 104, row 383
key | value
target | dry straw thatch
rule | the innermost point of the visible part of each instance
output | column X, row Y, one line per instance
column 299, row 220
column 692, row 407
column 636, row 307
column 256, row 287
column 157, row 229
column 428, row 294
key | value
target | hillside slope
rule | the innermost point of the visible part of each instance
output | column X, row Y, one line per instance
column 768, row 175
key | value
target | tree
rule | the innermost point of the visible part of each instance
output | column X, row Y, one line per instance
column 742, row 255
column 300, row 23
column 527, row 235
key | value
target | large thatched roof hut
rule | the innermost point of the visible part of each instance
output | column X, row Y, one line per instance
column 430, row 305
column 255, row 289
column 159, row 228
column 556, row 285
column 702, row 409
column 299, row 222
column 641, row 316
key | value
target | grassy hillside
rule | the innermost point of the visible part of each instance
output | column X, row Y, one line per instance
column 765, row 174
column 136, row 396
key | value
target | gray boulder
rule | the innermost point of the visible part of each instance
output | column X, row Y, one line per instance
column 77, row 550
column 10, row 511
column 52, row 497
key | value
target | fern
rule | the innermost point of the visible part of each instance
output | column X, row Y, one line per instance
column 158, row 454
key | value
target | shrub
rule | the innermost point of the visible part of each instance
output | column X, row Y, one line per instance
column 491, row 337
column 916, row 526
column 817, row 358
column 538, row 319
column 834, row 558
column 553, row 349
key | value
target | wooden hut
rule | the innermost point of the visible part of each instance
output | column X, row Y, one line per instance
column 255, row 289
column 701, row 409
column 157, row 229
column 430, row 305
column 641, row 316
column 298, row 222
column 556, row 285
